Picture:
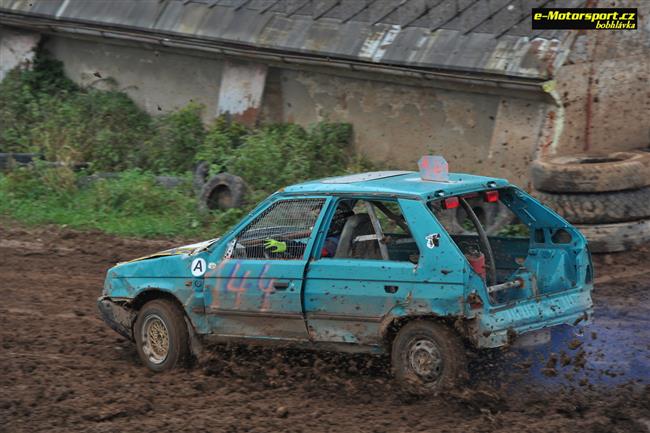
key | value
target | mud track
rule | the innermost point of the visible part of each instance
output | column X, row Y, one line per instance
column 63, row 370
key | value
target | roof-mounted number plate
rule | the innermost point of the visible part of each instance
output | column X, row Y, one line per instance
column 434, row 168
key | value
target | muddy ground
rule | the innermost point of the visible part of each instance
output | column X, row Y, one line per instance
column 62, row 369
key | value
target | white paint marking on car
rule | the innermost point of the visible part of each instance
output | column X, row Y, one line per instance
column 198, row 267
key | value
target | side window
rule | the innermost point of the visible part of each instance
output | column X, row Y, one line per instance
column 369, row 229
column 281, row 232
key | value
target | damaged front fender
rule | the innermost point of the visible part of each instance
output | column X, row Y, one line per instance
column 117, row 315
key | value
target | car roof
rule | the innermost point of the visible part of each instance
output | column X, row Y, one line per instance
column 397, row 183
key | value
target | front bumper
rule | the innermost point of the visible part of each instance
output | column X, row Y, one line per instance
column 500, row 325
column 117, row 316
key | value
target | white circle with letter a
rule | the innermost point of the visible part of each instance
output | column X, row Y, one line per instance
column 198, row 267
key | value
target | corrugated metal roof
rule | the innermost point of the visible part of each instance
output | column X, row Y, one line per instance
column 476, row 36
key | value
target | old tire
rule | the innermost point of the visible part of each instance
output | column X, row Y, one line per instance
column 8, row 159
column 611, row 238
column 427, row 358
column 616, row 171
column 600, row 208
column 223, row 191
column 161, row 336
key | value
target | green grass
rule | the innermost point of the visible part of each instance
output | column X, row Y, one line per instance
column 132, row 205
column 43, row 111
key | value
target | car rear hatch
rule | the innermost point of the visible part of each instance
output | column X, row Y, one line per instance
column 527, row 250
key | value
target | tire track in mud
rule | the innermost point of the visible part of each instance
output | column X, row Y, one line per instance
column 63, row 370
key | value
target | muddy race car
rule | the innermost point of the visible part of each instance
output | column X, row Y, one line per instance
column 364, row 263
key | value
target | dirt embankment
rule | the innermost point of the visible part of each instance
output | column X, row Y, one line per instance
column 64, row 370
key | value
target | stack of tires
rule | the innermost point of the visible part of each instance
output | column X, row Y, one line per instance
column 606, row 196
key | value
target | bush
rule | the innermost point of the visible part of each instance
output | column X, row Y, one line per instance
column 177, row 137
column 277, row 155
column 43, row 111
column 131, row 204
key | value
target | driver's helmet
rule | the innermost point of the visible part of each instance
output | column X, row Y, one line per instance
column 341, row 215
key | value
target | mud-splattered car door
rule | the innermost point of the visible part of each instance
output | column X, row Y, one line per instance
column 254, row 286
column 374, row 260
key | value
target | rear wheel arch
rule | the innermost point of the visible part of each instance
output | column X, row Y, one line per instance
column 391, row 326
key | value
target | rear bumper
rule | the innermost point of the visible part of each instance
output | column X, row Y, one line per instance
column 118, row 317
column 501, row 325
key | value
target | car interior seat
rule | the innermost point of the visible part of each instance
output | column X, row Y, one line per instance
column 358, row 225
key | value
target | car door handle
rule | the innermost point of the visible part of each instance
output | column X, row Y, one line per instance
column 280, row 286
column 391, row 289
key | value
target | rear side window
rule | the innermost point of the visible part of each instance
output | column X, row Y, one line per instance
column 369, row 229
column 495, row 217
column 281, row 232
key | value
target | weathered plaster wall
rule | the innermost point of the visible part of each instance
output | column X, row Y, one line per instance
column 159, row 82
column 604, row 87
column 396, row 124
column 16, row 48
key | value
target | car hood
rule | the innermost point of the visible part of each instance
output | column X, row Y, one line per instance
column 189, row 250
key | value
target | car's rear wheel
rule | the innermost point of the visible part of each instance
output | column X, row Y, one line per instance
column 428, row 357
column 161, row 335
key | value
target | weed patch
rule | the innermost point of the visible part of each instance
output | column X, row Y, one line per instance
column 43, row 111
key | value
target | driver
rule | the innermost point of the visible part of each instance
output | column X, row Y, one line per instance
column 341, row 215
column 292, row 248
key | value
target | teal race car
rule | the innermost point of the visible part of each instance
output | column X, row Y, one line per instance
column 417, row 265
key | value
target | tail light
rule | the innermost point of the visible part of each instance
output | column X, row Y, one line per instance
column 492, row 196
column 450, row 203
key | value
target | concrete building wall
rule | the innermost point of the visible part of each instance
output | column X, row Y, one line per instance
column 16, row 49
column 396, row 124
column 604, row 87
column 393, row 123
column 159, row 82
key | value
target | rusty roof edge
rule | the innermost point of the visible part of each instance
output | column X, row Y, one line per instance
column 226, row 47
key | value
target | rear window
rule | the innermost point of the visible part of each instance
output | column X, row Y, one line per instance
column 509, row 238
column 495, row 217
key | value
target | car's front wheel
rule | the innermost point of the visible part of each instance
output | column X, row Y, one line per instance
column 428, row 357
column 161, row 335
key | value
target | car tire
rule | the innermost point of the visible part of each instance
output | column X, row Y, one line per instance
column 419, row 344
column 616, row 171
column 223, row 191
column 8, row 159
column 161, row 336
column 599, row 208
column 612, row 238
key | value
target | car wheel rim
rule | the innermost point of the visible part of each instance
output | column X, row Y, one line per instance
column 425, row 360
column 155, row 339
